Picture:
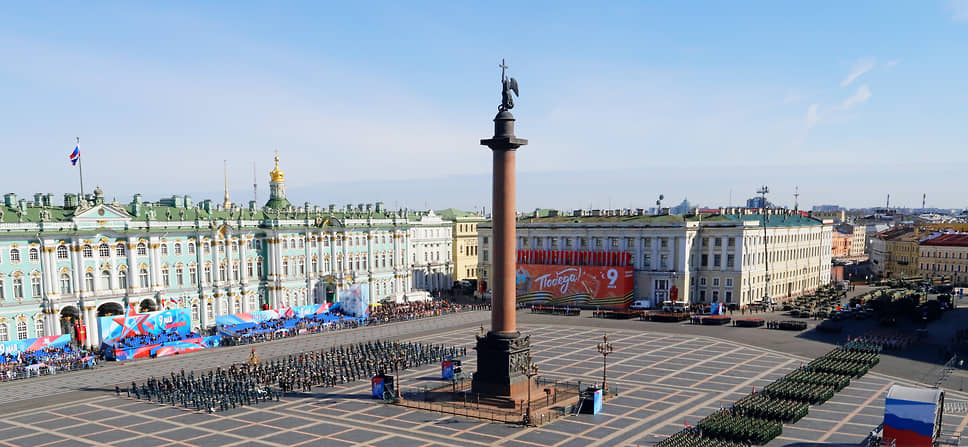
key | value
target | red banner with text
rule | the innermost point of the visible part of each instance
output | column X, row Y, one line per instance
column 578, row 285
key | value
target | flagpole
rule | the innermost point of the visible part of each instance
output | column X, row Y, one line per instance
column 80, row 167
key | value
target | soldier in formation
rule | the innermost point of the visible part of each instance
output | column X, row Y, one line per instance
column 253, row 382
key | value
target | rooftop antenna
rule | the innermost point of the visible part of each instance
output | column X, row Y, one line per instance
column 255, row 185
column 924, row 199
column 225, row 170
column 796, row 198
column 658, row 205
column 888, row 201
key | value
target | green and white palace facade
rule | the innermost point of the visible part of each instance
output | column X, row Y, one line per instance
column 87, row 258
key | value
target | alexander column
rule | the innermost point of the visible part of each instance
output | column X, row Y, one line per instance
column 502, row 352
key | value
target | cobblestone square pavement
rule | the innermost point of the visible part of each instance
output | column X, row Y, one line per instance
column 663, row 380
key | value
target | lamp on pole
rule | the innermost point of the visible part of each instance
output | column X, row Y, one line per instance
column 530, row 369
column 605, row 348
column 396, row 359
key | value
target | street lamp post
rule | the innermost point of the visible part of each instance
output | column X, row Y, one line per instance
column 605, row 348
column 529, row 369
column 396, row 359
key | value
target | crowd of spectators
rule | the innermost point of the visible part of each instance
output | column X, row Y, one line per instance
column 137, row 341
column 389, row 312
column 238, row 334
column 45, row 362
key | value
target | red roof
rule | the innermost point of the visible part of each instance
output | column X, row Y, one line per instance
column 948, row 240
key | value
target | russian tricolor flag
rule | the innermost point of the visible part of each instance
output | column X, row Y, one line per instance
column 76, row 155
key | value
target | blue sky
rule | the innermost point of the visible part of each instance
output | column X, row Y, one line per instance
column 622, row 101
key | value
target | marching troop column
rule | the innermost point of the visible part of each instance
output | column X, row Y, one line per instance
column 503, row 350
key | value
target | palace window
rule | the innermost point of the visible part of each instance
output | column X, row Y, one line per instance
column 250, row 268
column 21, row 330
column 730, row 261
column 715, row 282
column 235, row 272
column 87, row 251
column 180, row 276
column 192, row 275
column 221, row 247
column 3, row 332
column 206, row 249
column 35, row 286
column 315, row 266
column 178, row 249
column 104, row 251
column 195, row 313
column 143, row 278
column 302, row 267
column 236, row 306
column 729, row 282
column 3, row 292
column 191, row 248
column 221, row 272
column 165, row 276
column 119, row 249
column 65, row 283
column 302, row 244
column 208, row 273
column 39, row 328
column 105, row 280
column 164, row 249
column 62, row 252
column 122, row 279
column 142, row 249
column 259, row 268
column 285, row 267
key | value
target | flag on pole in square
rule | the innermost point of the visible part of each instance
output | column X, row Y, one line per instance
column 76, row 155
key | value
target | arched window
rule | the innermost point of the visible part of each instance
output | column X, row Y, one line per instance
column 292, row 243
column 315, row 266
column 39, row 328
column 3, row 292
column 209, row 312
column 65, row 283
column 221, row 247
column 33, row 254
column 142, row 249
column 35, row 286
column 235, row 272
column 178, row 249
column 208, row 273
column 302, row 267
column 14, row 255
column 143, row 278
column 3, row 332
column 250, row 268
column 206, row 249
column 105, row 280
column 87, row 251
column 165, row 276
column 122, row 279
column 164, row 249
column 285, row 267
column 180, row 276
column 235, row 247
column 258, row 268
column 312, row 243
column 195, row 315
column 339, row 264
column 104, row 251
column 192, row 275
column 221, row 271
column 191, row 248
column 21, row 330
column 236, row 306
column 62, row 252
column 119, row 250
column 302, row 244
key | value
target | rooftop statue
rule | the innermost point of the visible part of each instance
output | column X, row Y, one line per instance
column 508, row 85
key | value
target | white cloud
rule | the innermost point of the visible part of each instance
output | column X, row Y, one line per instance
column 813, row 115
column 860, row 67
column 892, row 63
column 861, row 96
column 959, row 10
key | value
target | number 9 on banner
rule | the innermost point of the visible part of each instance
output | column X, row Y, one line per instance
column 612, row 275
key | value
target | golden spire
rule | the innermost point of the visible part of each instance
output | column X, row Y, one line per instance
column 276, row 175
column 227, row 204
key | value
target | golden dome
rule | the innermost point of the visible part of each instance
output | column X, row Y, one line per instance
column 276, row 174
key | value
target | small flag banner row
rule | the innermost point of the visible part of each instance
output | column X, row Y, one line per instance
column 590, row 258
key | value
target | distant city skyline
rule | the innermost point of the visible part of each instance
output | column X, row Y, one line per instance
column 621, row 102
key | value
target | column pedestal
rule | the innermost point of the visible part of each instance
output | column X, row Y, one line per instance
column 500, row 358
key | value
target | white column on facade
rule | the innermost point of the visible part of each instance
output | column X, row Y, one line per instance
column 132, row 266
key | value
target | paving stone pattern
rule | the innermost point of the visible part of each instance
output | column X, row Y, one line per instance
column 663, row 380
